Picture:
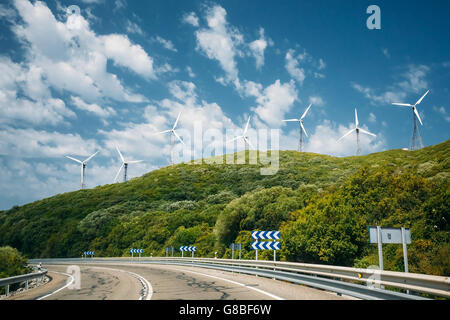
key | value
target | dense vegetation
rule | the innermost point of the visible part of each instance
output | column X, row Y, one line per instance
column 323, row 206
column 12, row 262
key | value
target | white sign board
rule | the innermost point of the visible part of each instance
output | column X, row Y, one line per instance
column 389, row 235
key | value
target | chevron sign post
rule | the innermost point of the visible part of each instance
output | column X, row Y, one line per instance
column 133, row 251
column 265, row 245
column 89, row 253
column 188, row 248
column 266, row 235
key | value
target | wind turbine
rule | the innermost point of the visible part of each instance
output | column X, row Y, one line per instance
column 416, row 140
column 173, row 133
column 244, row 137
column 302, row 128
column 83, row 167
column 124, row 165
column 357, row 129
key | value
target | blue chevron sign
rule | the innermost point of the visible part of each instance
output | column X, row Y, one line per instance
column 266, row 235
column 187, row 248
column 265, row 245
column 136, row 250
column 89, row 253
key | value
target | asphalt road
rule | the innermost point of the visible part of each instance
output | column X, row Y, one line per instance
column 163, row 282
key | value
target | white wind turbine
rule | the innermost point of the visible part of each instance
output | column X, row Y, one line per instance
column 357, row 129
column 83, row 167
column 302, row 128
column 124, row 165
column 244, row 137
column 173, row 133
column 416, row 140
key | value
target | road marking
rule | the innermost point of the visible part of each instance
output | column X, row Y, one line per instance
column 238, row 283
column 56, row 291
column 145, row 283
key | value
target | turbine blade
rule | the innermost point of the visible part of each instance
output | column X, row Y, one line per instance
column 367, row 132
column 304, row 114
column 176, row 122
column 120, row 154
column 246, row 126
column 402, row 104
column 304, row 130
column 346, row 134
column 292, row 120
column 118, row 172
column 234, row 139
column 178, row 137
column 165, row 131
column 90, row 157
column 417, row 115
column 74, row 159
column 420, row 100
column 356, row 118
column 249, row 143
column 135, row 161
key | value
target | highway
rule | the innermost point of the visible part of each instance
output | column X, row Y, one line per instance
column 165, row 282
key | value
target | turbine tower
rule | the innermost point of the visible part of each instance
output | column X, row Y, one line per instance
column 244, row 137
column 173, row 133
column 357, row 129
column 83, row 167
column 124, row 165
column 302, row 128
column 416, row 140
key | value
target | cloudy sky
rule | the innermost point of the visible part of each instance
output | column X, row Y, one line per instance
column 82, row 76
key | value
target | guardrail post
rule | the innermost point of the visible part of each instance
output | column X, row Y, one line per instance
column 26, row 285
column 7, row 290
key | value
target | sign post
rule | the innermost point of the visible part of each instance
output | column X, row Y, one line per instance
column 187, row 248
column 381, row 235
column 380, row 248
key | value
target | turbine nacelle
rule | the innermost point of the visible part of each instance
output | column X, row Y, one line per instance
column 83, row 166
column 244, row 136
column 124, row 165
column 413, row 106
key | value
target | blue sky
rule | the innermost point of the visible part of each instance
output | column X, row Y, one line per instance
column 119, row 71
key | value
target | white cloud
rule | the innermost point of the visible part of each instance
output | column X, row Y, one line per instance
column 274, row 102
column 219, row 41
column 316, row 100
column 166, row 43
column 292, row 66
column 258, row 47
column 132, row 27
column 372, row 118
column 93, row 108
column 191, row 18
column 386, row 52
column 413, row 82
column 75, row 52
column 39, row 143
column 443, row 112
column 324, row 138
column 25, row 96
column 190, row 72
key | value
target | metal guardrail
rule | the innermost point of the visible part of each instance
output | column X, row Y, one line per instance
column 6, row 282
column 357, row 282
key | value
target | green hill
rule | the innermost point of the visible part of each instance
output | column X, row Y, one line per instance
column 323, row 206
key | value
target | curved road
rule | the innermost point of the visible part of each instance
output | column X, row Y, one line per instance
column 166, row 282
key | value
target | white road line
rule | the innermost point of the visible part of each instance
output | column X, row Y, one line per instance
column 56, row 291
column 146, row 284
column 238, row 283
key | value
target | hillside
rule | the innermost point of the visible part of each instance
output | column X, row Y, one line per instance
column 322, row 205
